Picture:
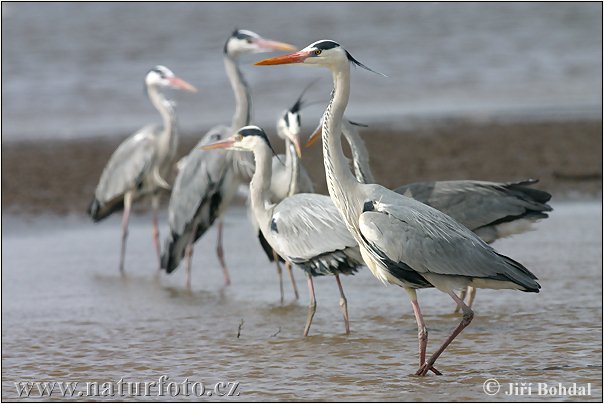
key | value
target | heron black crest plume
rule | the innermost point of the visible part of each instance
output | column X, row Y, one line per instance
column 357, row 63
column 299, row 102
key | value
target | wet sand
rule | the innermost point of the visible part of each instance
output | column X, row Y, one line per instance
column 68, row 316
column 60, row 176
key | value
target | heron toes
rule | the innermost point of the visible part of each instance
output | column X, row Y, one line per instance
column 423, row 371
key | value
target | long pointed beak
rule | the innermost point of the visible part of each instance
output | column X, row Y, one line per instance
column 271, row 45
column 316, row 135
column 221, row 144
column 297, row 57
column 296, row 142
column 179, row 83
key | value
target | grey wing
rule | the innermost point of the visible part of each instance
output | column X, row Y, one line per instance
column 308, row 227
column 128, row 166
column 199, row 177
column 198, row 197
column 429, row 242
column 476, row 204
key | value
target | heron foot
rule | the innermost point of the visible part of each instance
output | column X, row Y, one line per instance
column 423, row 371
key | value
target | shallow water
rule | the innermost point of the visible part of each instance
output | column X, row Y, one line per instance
column 68, row 316
column 78, row 68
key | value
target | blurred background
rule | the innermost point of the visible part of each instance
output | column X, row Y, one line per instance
column 76, row 70
column 464, row 80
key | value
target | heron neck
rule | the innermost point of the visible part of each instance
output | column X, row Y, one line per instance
column 340, row 181
column 360, row 156
column 167, row 138
column 260, row 185
column 243, row 99
column 293, row 164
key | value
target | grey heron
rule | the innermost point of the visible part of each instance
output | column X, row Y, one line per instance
column 492, row 210
column 402, row 241
column 140, row 164
column 304, row 229
column 207, row 182
column 289, row 177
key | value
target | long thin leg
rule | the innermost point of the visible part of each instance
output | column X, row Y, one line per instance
column 312, row 305
column 155, row 208
column 343, row 305
column 189, row 255
column 462, row 297
column 288, row 265
column 422, row 331
column 280, row 273
column 220, row 254
column 471, row 295
column 468, row 315
column 125, row 217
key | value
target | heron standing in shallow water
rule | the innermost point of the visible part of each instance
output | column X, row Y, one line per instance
column 140, row 164
column 305, row 229
column 402, row 241
column 207, row 182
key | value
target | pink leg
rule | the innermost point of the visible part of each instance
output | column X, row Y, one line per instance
column 422, row 332
column 220, row 254
column 468, row 315
column 343, row 305
column 189, row 255
column 125, row 217
column 155, row 206
column 312, row 306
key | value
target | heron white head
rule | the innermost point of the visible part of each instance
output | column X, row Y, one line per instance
column 243, row 41
column 248, row 138
column 326, row 53
column 289, row 124
column 161, row 76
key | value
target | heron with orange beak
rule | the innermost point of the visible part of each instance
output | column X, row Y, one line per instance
column 402, row 241
column 304, row 229
column 207, row 183
column 140, row 164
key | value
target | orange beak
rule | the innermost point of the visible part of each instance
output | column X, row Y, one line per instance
column 296, row 142
column 316, row 135
column 179, row 83
column 297, row 57
column 222, row 144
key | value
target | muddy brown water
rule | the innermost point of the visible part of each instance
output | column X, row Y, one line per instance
column 67, row 316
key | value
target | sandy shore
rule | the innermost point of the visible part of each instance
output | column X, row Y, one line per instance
column 60, row 176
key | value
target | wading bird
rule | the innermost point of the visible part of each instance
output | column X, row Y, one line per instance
column 402, row 241
column 304, row 229
column 207, row 182
column 289, row 177
column 492, row 210
column 140, row 164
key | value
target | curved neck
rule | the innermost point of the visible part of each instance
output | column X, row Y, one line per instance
column 260, row 186
column 360, row 156
column 340, row 181
column 293, row 164
column 243, row 100
column 166, row 109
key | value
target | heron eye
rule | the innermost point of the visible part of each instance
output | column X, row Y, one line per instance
column 249, row 40
column 318, row 52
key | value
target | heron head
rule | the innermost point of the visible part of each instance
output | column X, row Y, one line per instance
column 161, row 76
column 326, row 53
column 243, row 41
column 248, row 138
